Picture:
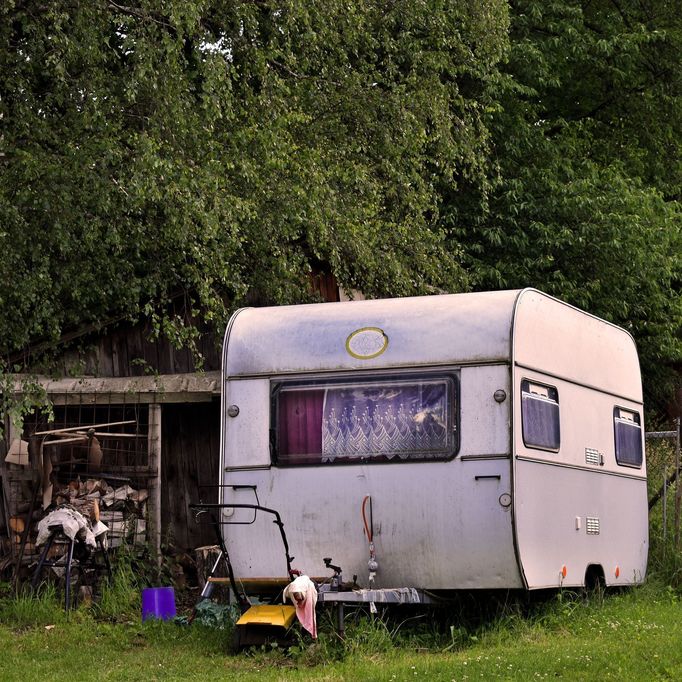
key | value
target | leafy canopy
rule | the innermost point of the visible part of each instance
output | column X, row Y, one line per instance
column 583, row 193
column 220, row 148
column 225, row 149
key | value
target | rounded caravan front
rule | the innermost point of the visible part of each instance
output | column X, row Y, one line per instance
column 409, row 403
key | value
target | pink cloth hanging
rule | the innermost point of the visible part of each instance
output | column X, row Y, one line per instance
column 303, row 595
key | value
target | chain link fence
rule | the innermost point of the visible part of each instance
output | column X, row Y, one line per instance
column 665, row 501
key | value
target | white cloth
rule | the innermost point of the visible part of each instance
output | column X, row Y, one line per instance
column 303, row 596
column 75, row 526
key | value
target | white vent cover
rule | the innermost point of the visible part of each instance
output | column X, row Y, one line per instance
column 592, row 525
column 592, row 456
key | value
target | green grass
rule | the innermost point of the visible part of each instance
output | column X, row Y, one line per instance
column 633, row 636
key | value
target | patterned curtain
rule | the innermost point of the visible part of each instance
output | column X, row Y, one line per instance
column 385, row 420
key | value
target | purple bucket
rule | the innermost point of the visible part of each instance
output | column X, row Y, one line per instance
column 158, row 602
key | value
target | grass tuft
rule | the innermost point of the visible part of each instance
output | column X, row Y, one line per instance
column 121, row 599
column 26, row 609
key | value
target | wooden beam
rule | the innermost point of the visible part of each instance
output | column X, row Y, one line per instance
column 164, row 388
column 81, row 428
column 63, row 441
column 154, row 485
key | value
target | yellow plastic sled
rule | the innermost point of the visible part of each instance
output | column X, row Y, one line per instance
column 264, row 623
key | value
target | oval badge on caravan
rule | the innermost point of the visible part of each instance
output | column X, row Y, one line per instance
column 366, row 343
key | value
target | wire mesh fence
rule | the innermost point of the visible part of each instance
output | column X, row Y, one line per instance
column 665, row 500
column 92, row 457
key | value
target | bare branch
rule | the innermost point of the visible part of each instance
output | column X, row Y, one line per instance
column 135, row 12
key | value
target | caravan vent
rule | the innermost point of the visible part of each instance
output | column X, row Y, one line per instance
column 592, row 525
column 592, row 456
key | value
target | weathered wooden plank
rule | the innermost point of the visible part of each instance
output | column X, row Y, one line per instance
column 166, row 388
column 191, row 439
column 80, row 428
column 135, row 352
column 154, row 485
column 105, row 364
column 211, row 350
column 150, row 352
column 119, row 352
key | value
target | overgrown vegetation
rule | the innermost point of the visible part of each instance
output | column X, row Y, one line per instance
column 580, row 635
column 567, row 634
column 213, row 151
column 665, row 549
column 632, row 635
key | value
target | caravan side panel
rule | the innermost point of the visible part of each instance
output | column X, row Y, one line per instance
column 578, row 502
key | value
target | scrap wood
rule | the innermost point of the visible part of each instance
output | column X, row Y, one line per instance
column 69, row 434
column 64, row 441
column 16, row 524
column 18, row 453
column 121, row 509
column 94, row 454
column 110, row 434
column 82, row 428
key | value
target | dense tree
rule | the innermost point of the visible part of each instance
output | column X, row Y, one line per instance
column 217, row 148
column 585, row 179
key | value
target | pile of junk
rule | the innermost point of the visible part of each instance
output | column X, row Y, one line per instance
column 272, row 620
column 65, row 505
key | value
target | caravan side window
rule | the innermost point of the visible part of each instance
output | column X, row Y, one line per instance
column 375, row 419
column 628, row 436
column 540, row 416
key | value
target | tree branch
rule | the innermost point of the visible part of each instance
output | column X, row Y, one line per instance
column 135, row 12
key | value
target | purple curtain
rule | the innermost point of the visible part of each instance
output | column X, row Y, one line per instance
column 300, row 424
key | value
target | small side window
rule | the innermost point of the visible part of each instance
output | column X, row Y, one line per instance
column 540, row 416
column 627, row 428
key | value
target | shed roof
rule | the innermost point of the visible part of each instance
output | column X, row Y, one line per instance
column 162, row 388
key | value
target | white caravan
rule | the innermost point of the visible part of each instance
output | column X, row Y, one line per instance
column 498, row 438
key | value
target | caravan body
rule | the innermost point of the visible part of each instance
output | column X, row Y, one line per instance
column 499, row 437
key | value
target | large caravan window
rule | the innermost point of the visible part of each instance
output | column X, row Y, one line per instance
column 628, row 434
column 540, row 416
column 375, row 419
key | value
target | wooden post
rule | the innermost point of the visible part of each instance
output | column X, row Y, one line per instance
column 154, row 452
column 665, row 505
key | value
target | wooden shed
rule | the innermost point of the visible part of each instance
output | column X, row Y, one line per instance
column 169, row 411
column 169, row 419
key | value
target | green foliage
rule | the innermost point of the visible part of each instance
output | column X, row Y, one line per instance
column 583, row 197
column 217, row 149
column 209, row 152
column 120, row 600
column 665, row 559
column 26, row 609
column 211, row 614
column 31, row 398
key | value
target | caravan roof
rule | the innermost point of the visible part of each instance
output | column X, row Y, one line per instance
column 538, row 331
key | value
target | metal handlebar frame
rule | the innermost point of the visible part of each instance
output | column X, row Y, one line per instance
column 204, row 507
